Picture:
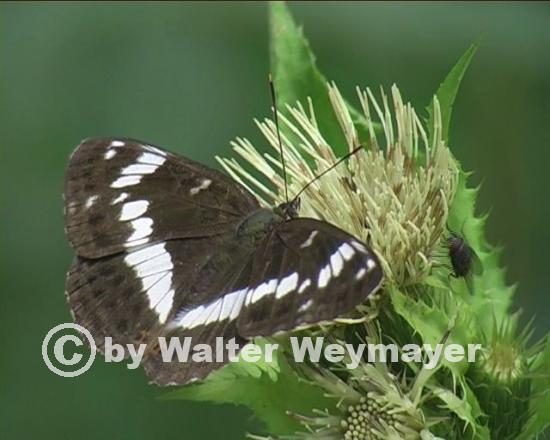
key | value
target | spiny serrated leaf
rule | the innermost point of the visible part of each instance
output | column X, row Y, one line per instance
column 491, row 296
column 466, row 408
column 297, row 77
column 432, row 322
column 447, row 91
column 268, row 389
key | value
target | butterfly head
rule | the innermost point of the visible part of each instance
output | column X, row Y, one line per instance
column 289, row 210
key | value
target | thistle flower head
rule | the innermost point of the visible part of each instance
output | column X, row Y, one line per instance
column 503, row 378
column 372, row 417
column 371, row 402
column 504, row 358
column 393, row 194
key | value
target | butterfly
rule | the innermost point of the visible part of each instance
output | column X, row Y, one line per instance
column 168, row 247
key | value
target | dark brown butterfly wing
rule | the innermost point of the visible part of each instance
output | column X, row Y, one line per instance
column 121, row 193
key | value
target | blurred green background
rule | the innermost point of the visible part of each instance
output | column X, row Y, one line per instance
column 191, row 77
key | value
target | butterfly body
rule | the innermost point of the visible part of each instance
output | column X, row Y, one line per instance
column 169, row 247
column 258, row 224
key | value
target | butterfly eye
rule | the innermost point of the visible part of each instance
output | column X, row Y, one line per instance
column 289, row 210
column 292, row 208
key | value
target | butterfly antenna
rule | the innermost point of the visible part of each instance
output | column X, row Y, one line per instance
column 334, row 165
column 276, row 119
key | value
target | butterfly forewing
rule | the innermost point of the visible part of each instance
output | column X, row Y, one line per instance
column 306, row 272
column 121, row 193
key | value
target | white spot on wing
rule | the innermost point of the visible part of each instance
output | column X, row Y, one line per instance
column 370, row 264
column 148, row 281
column 152, row 159
column 165, row 305
column 138, row 168
column 219, row 310
column 110, row 153
column 361, row 273
column 305, row 305
column 142, row 228
column 360, row 247
column 347, row 251
column 191, row 318
column 215, row 312
column 122, row 196
column 205, row 183
column 123, row 181
column 227, row 307
column 90, row 201
column 137, row 242
column 309, row 240
column 160, row 296
column 305, row 284
column 146, row 254
column 117, row 144
column 153, row 265
column 336, row 263
column 287, row 284
column 235, row 300
column 324, row 276
column 132, row 210
column 267, row 288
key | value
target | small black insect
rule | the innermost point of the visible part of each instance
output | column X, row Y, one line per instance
column 461, row 254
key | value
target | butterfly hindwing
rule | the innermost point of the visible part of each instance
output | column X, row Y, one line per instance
column 172, row 371
column 133, row 296
column 209, row 317
column 179, row 288
column 208, row 323
column 121, row 193
column 108, row 299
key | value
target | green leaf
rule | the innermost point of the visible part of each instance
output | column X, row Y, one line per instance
column 539, row 405
column 492, row 297
column 447, row 91
column 297, row 77
column 271, row 390
column 432, row 322
column 466, row 408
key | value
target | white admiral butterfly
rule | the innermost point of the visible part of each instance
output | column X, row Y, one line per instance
column 169, row 247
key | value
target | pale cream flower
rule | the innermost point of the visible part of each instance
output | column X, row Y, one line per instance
column 394, row 194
